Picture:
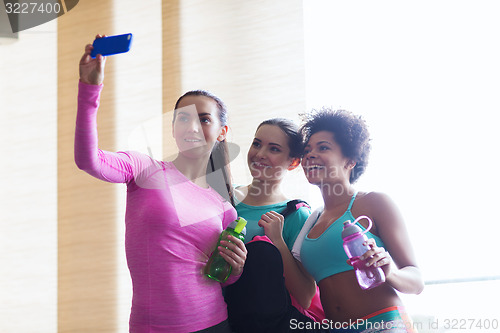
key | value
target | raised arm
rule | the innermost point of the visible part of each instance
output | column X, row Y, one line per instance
column 111, row 167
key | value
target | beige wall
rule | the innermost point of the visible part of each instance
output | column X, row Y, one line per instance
column 251, row 54
column 65, row 253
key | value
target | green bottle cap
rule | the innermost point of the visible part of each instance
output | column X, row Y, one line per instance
column 241, row 223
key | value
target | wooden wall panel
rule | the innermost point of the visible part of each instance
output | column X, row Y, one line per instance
column 86, row 206
column 171, row 70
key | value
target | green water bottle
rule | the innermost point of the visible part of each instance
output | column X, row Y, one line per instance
column 217, row 267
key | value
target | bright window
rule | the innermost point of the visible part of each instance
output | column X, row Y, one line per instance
column 426, row 77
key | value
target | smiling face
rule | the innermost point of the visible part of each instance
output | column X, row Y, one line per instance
column 196, row 126
column 323, row 161
column 269, row 155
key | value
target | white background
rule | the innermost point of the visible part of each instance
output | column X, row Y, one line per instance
column 426, row 77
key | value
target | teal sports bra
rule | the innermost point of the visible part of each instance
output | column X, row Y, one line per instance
column 324, row 256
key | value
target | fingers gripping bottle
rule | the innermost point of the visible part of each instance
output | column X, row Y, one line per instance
column 217, row 267
column 354, row 237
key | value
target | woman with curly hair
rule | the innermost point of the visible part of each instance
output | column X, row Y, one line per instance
column 337, row 146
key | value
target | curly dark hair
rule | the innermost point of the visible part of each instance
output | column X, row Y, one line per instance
column 350, row 133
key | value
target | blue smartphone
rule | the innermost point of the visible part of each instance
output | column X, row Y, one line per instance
column 111, row 45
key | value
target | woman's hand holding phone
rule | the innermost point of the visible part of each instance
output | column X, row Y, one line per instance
column 110, row 45
column 92, row 69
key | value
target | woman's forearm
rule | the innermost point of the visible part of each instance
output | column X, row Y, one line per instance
column 86, row 147
column 407, row 280
column 104, row 165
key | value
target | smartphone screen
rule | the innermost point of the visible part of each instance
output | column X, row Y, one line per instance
column 111, row 45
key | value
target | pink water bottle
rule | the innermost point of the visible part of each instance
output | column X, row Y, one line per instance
column 354, row 237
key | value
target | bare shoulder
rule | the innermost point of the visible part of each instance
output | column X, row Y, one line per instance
column 241, row 192
column 374, row 200
column 380, row 207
